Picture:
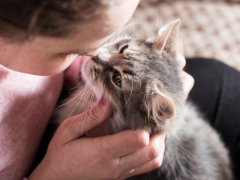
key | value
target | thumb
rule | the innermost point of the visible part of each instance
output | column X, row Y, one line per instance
column 78, row 125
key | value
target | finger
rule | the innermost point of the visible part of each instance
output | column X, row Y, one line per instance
column 188, row 82
column 144, row 155
column 150, row 166
column 124, row 143
column 181, row 60
column 77, row 126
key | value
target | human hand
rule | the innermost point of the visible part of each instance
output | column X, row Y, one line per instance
column 186, row 78
column 71, row 156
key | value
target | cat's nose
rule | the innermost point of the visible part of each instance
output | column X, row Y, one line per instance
column 101, row 58
column 97, row 60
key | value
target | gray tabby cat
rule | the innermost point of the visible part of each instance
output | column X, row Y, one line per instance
column 141, row 80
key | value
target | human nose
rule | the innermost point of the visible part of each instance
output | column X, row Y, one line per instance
column 94, row 53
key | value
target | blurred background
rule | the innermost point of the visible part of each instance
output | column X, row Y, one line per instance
column 209, row 28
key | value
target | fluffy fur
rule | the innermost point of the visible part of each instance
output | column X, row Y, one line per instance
column 141, row 80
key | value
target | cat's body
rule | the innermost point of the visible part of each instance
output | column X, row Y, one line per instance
column 193, row 152
column 141, row 80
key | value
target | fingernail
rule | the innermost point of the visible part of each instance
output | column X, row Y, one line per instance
column 181, row 60
column 103, row 101
column 131, row 171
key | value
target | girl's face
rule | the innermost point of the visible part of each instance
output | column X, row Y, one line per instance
column 49, row 56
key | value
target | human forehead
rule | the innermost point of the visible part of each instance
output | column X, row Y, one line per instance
column 89, row 37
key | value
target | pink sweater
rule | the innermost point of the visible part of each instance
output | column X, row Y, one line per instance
column 26, row 103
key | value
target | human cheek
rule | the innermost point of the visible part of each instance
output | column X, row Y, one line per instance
column 71, row 74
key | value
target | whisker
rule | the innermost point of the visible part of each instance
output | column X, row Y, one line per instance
column 157, row 21
column 84, row 94
column 73, row 98
column 139, row 80
column 76, row 86
column 130, row 93
column 86, row 98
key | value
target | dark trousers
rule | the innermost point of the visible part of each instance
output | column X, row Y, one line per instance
column 217, row 94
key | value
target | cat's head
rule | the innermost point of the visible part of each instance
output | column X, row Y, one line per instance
column 139, row 77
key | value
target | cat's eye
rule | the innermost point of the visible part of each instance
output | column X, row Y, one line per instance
column 123, row 48
column 117, row 78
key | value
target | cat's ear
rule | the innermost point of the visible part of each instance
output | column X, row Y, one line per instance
column 161, row 107
column 167, row 38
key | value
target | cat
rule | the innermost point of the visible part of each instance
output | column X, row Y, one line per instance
column 141, row 80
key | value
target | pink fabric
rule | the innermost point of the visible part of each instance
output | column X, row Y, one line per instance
column 26, row 103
